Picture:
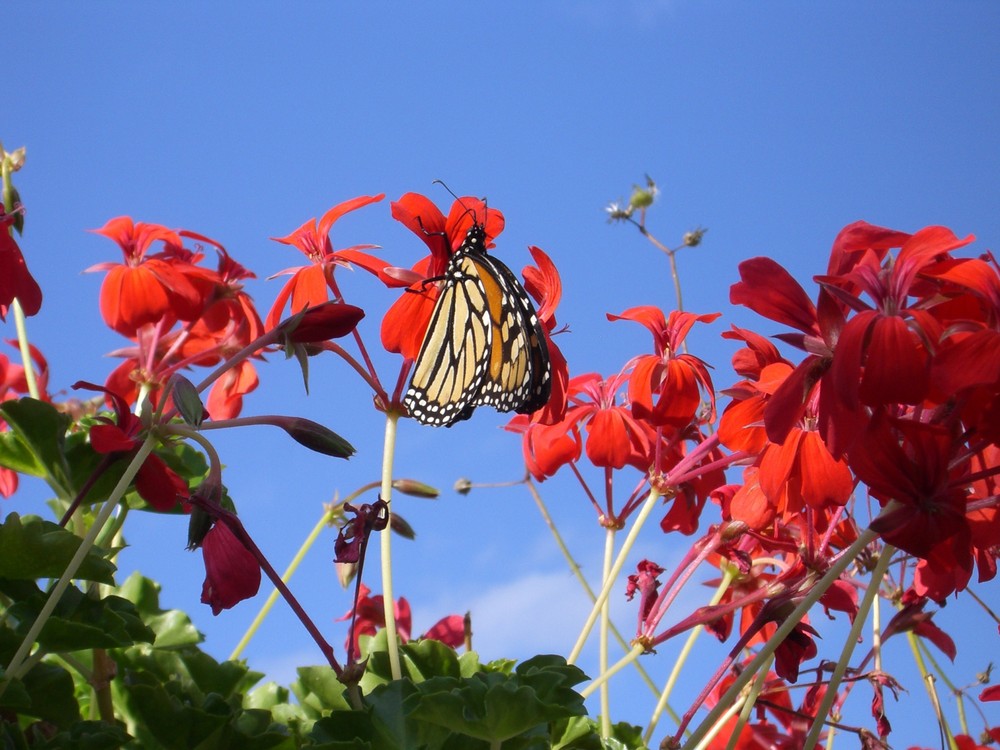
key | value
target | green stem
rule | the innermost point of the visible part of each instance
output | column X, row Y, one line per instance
column 928, row 679
column 755, row 688
column 728, row 574
column 388, row 602
column 14, row 669
column 609, row 553
column 609, row 582
column 578, row 573
column 20, row 323
column 878, row 573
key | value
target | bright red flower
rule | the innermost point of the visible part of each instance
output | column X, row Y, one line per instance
column 312, row 285
column 406, row 321
column 15, row 279
column 547, row 448
column 145, row 289
column 155, row 482
column 665, row 388
column 232, row 573
column 543, row 283
column 614, row 436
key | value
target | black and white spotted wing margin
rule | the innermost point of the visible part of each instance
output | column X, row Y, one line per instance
column 484, row 344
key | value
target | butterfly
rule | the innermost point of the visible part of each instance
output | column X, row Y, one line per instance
column 484, row 345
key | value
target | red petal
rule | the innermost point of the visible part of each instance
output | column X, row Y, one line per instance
column 232, row 573
column 769, row 290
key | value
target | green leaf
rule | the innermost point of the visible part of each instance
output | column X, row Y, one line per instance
column 173, row 627
column 429, row 658
column 320, row 690
column 34, row 548
column 50, row 689
column 41, row 429
column 87, row 735
column 80, row 622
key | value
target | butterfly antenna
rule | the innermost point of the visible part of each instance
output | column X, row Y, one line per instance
column 468, row 210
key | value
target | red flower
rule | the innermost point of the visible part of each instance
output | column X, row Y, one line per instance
column 232, row 573
column 543, row 283
column 614, row 436
column 370, row 616
column 15, row 280
column 155, row 482
column 909, row 462
column 406, row 321
column 547, row 448
column 310, row 286
column 330, row 320
column 145, row 290
column 770, row 290
column 664, row 387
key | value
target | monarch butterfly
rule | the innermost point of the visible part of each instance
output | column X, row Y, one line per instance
column 484, row 344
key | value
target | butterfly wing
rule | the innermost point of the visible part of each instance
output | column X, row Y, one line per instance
column 518, row 375
column 484, row 344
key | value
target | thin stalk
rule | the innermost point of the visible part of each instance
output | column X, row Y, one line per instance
column 14, row 668
column 878, row 573
column 728, row 574
column 633, row 533
column 755, row 689
column 609, row 553
column 578, row 573
column 388, row 602
column 928, row 680
column 286, row 577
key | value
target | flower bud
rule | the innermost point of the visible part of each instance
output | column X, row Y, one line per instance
column 401, row 526
column 315, row 437
column 330, row 320
column 187, row 400
column 693, row 238
column 413, row 488
column 463, row 486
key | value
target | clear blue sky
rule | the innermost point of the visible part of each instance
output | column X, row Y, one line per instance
column 772, row 124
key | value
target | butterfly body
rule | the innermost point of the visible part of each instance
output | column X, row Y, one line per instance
column 484, row 345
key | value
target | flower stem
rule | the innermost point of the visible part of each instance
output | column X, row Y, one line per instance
column 578, row 573
column 839, row 566
column 609, row 552
column 14, row 668
column 388, row 602
column 633, row 533
column 728, row 574
column 323, row 522
column 878, row 573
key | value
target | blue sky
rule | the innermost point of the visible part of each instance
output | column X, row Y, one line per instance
column 772, row 124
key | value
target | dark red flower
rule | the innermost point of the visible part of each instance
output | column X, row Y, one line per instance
column 15, row 279
column 232, row 573
column 155, row 482
column 330, row 320
column 645, row 581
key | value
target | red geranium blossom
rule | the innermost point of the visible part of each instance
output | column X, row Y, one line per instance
column 145, row 289
column 232, row 573
column 310, row 286
column 15, row 279
column 370, row 617
column 665, row 387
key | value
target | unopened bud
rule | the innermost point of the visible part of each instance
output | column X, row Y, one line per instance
column 463, row 486
column 400, row 525
column 346, row 572
column 315, row 437
column 187, row 400
column 414, row 488
column 734, row 530
column 641, row 198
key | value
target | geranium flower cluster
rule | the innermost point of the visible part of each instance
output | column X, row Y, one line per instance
column 885, row 420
